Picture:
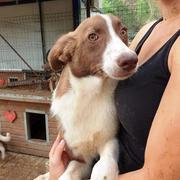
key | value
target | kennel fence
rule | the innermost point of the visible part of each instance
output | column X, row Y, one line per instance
column 31, row 31
column 26, row 34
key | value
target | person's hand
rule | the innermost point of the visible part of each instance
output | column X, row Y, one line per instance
column 58, row 159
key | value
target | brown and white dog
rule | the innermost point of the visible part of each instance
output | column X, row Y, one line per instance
column 96, row 57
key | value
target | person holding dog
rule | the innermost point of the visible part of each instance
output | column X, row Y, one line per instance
column 149, row 136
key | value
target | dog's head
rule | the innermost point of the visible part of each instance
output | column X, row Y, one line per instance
column 97, row 47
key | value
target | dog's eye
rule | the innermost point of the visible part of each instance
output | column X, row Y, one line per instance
column 123, row 31
column 93, row 37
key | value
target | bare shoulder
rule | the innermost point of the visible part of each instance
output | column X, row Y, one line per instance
column 140, row 34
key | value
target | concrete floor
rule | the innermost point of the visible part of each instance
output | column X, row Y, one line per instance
column 22, row 167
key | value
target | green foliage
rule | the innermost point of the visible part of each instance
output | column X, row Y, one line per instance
column 142, row 11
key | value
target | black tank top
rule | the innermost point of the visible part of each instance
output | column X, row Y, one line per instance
column 137, row 99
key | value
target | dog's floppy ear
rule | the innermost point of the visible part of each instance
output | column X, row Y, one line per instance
column 62, row 51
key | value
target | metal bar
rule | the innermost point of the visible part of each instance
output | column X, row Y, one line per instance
column 88, row 8
column 19, row 55
column 76, row 13
column 42, row 32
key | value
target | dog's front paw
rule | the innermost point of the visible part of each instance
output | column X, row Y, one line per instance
column 105, row 169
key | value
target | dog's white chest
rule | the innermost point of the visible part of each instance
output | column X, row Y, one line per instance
column 86, row 112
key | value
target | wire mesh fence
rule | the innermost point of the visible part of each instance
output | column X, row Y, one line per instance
column 21, row 45
column 22, row 32
column 133, row 14
column 22, row 27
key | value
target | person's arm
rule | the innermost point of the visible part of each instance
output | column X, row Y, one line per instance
column 162, row 155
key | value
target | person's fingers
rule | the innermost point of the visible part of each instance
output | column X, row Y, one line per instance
column 55, row 144
column 59, row 150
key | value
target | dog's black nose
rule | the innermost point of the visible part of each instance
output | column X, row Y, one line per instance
column 127, row 61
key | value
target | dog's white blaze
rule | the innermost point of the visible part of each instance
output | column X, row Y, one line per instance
column 113, row 50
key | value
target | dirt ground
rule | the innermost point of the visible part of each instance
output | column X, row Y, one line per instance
column 22, row 167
